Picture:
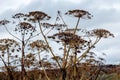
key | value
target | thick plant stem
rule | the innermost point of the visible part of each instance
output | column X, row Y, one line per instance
column 23, row 72
column 43, row 67
column 48, row 44
column 73, row 33
column 8, row 57
column 64, row 73
column 64, row 56
column 63, row 69
column 9, row 72
column 75, row 67
column 76, row 25
column 22, row 66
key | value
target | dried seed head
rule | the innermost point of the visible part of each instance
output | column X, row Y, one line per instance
column 47, row 25
column 38, row 15
column 25, row 28
column 9, row 44
column 39, row 44
column 56, row 26
column 18, row 15
column 79, row 13
column 4, row 22
column 25, row 25
column 30, row 55
column 101, row 33
column 8, row 41
column 69, row 39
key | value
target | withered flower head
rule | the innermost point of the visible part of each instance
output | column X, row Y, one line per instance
column 25, row 28
column 79, row 13
column 47, row 25
column 4, row 22
column 56, row 26
column 3, row 47
column 25, row 25
column 30, row 55
column 29, row 60
column 9, row 43
column 39, row 44
column 102, row 33
column 38, row 15
column 69, row 38
column 18, row 15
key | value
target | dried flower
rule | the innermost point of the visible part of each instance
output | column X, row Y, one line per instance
column 30, row 55
column 39, row 44
column 38, row 15
column 56, row 26
column 69, row 38
column 24, row 28
column 18, row 15
column 25, row 25
column 4, row 22
column 101, row 33
column 79, row 13
column 9, row 43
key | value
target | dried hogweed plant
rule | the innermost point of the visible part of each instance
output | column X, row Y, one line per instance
column 74, row 44
column 79, row 13
column 8, row 48
column 38, row 15
column 38, row 47
column 30, row 60
column 4, row 22
column 76, row 56
column 101, row 33
column 26, row 31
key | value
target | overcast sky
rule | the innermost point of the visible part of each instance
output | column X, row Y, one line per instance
column 106, row 14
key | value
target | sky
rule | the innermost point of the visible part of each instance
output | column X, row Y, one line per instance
column 106, row 14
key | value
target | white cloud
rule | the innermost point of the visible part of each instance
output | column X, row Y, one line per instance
column 115, row 6
column 12, row 4
column 112, row 55
column 105, row 4
column 73, row 1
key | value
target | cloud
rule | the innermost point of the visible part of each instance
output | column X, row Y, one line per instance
column 112, row 55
